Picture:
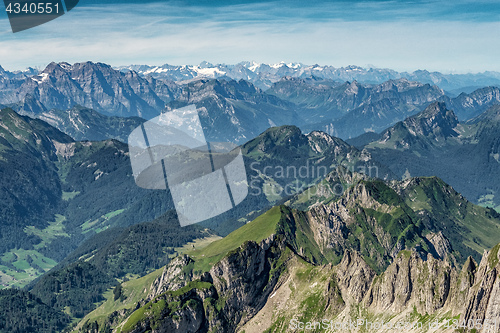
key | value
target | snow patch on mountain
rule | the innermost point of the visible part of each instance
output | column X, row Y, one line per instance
column 40, row 78
column 264, row 75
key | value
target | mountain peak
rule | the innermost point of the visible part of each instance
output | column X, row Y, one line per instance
column 430, row 127
column 433, row 109
column 92, row 64
column 276, row 138
column 352, row 88
column 201, row 88
column 436, row 118
column 282, row 133
column 53, row 68
column 205, row 64
column 65, row 65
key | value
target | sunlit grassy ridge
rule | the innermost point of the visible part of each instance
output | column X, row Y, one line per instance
column 257, row 230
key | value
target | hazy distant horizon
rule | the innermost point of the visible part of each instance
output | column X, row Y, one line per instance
column 449, row 37
column 366, row 67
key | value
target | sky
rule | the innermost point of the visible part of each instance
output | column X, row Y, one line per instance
column 457, row 36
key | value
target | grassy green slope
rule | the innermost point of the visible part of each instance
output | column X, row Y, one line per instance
column 205, row 257
column 133, row 291
column 257, row 230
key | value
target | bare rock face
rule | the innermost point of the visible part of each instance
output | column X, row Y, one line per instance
column 434, row 122
column 239, row 284
column 191, row 320
column 333, row 225
column 483, row 301
column 441, row 244
column 354, row 276
column 435, row 286
column 460, row 286
column 492, row 312
column 410, row 281
column 329, row 225
column 245, row 280
column 440, row 247
column 172, row 278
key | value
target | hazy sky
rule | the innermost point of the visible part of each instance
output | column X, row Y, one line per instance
column 450, row 36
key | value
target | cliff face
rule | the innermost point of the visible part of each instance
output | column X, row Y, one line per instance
column 266, row 286
column 223, row 299
column 354, row 277
column 434, row 287
column 375, row 220
column 412, row 282
column 245, row 279
column 483, row 298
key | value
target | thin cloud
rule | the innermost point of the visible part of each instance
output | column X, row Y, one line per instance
column 395, row 36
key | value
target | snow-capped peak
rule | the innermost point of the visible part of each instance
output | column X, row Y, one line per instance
column 207, row 71
column 254, row 66
column 40, row 78
column 278, row 65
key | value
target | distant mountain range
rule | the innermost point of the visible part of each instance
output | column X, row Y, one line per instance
column 351, row 108
column 16, row 75
column 86, row 124
column 264, row 75
column 93, row 85
column 231, row 110
column 234, row 111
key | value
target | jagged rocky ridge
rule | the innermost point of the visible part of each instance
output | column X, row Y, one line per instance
column 234, row 108
column 93, row 85
column 248, row 283
column 86, row 124
column 302, row 271
column 352, row 108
